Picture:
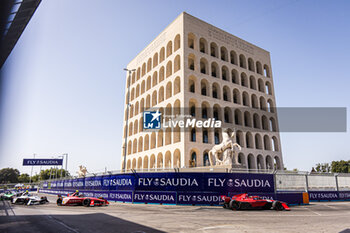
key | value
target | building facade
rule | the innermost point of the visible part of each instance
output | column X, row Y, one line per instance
column 197, row 69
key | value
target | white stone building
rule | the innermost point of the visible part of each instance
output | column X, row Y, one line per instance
column 195, row 68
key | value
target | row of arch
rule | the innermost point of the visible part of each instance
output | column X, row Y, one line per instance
column 213, row 50
column 173, row 160
column 171, row 136
column 135, row 92
column 259, row 162
column 224, row 73
column 225, row 93
column 156, row 59
column 160, row 160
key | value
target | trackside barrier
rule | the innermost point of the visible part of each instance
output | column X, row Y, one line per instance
column 197, row 188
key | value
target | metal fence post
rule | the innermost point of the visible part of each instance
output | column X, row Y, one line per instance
column 336, row 182
column 306, row 183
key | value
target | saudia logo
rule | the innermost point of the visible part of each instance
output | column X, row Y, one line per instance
column 78, row 183
column 154, row 197
column 117, row 182
column 256, row 183
column 152, row 120
column 93, row 183
column 201, row 198
column 168, row 182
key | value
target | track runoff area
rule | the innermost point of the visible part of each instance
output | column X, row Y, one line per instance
column 122, row 217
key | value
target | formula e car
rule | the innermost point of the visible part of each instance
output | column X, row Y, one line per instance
column 29, row 199
column 80, row 199
column 245, row 202
column 8, row 195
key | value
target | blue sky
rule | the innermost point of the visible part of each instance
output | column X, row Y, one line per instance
column 64, row 82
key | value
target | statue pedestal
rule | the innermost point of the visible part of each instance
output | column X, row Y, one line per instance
column 232, row 166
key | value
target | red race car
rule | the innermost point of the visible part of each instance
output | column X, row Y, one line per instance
column 80, row 199
column 245, row 202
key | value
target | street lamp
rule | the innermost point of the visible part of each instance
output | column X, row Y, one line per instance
column 127, row 115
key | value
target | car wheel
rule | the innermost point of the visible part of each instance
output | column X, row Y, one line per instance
column 86, row 202
column 225, row 205
column 59, row 201
column 234, row 205
column 26, row 201
column 277, row 205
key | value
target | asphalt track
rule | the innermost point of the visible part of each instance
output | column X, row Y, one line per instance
column 120, row 217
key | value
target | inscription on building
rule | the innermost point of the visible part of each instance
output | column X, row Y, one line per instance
column 150, row 49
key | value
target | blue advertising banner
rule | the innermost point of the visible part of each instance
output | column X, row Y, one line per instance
column 119, row 182
column 155, row 197
column 42, row 162
column 344, row 195
column 323, row 195
column 198, row 198
column 123, row 196
column 238, row 182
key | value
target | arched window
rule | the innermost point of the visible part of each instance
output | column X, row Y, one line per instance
column 153, row 140
column 191, row 59
column 245, row 99
column 261, row 85
column 191, row 40
column 177, row 85
column 263, row 103
column 155, row 60
column 242, row 61
column 217, row 137
column 149, row 64
column 193, row 135
column 226, row 93
column 155, row 79
column 265, row 124
column 205, row 136
column 206, row 159
column 251, row 65
column 204, row 88
column 236, row 96
column 238, row 117
column 215, row 91
column 161, row 55
column 169, row 49
column 235, row 76
column 225, row 73
column 203, row 45
column 161, row 74
column 275, row 144
column 169, row 90
column 267, row 143
column 143, row 70
column 161, row 95
column 252, row 82
column 177, row 63
column 256, row 121
column 224, row 55
column 266, row 71
column 259, row 68
column 160, row 138
column 213, row 50
column 205, row 107
column 214, row 70
column 191, row 86
column 273, row 126
column 247, row 119
column 249, row 140
column 227, row 115
column 258, row 142
column 233, row 56
column 148, row 83
column 244, row 80
column 177, row 43
column 203, row 66
column 193, row 159
column 255, row 102
column 169, row 70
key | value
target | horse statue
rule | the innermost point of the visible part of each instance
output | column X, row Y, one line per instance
column 82, row 171
column 224, row 153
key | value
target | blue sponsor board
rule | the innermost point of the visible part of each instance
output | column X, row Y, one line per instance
column 123, row 196
column 323, row 195
column 238, row 182
column 155, row 197
column 119, row 182
column 198, row 198
column 344, row 195
column 78, row 184
column 42, row 162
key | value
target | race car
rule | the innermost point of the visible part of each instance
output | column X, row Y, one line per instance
column 8, row 195
column 80, row 199
column 29, row 199
column 244, row 202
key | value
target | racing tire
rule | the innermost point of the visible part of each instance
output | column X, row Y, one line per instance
column 225, row 205
column 25, row 201
column 59, row 201
column 277, row 205
column 234, row 205
column 86, row 202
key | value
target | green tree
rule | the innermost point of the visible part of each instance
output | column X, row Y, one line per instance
column 340, row 166
column 9, row 175
column 323, row 168
column 23, row 178
column 53, row 173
